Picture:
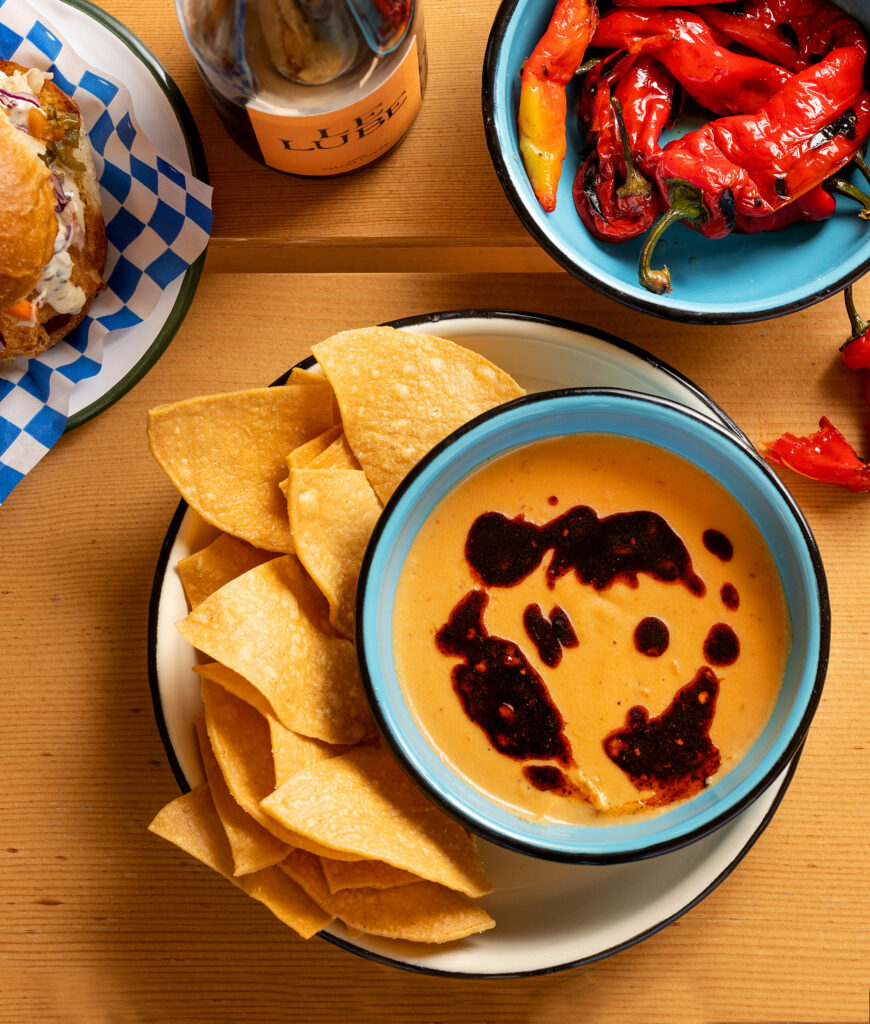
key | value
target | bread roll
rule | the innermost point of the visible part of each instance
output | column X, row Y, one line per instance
column 50, row 217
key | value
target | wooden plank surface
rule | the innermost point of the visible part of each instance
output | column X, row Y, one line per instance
column 438, row 188
column 101, row 921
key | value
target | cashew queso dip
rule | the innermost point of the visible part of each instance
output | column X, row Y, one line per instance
column 590, row 627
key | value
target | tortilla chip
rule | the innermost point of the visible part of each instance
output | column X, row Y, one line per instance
column 227, row 453
column 210, row 568
column 306, row 917
column 252, row 846
column 270, row 626
column 422, row 912
column 303, row 455
column 240, row 739
column 400, row 394
column 237, row 685
column 192, row 823
column 332, row 515
column 300, row 457
column 299, row 375
column 363, row 874
column 363, row 803
column 292, row 752
column 337, row 456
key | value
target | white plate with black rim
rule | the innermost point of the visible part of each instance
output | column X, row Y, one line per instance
column 166, row 119
column 549, row 916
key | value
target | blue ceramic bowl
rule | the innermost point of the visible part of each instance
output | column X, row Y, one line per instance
column 735, row 279
column 723, row 455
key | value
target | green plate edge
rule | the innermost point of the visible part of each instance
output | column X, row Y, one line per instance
column 199, row 169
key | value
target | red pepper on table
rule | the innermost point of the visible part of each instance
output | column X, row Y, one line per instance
column 856, row 350
column 756, row 164
column 613, row 199
column 826, row 455
column 722, row 81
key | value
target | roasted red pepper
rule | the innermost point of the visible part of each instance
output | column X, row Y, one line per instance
column 543, row 104
column 758, row 34
column 818, row 204
column 793, row 33
column 613, row 198
column 856, row 350
column 650, row 103
column 722, row 81
column 825, row 456
column 755, row 165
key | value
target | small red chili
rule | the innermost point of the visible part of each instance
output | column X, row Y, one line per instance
column 856, row 350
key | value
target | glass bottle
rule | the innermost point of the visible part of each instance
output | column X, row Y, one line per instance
column 311, row 87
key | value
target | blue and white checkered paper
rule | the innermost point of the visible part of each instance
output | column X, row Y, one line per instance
column 158, row 221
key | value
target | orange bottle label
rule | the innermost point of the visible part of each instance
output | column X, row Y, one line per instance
column 341, row 140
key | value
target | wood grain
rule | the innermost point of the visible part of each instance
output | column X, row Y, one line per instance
column 102, row 921
column 437, row 188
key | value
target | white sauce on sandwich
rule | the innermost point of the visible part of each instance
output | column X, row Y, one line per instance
column 55, row 287
column 21, row 83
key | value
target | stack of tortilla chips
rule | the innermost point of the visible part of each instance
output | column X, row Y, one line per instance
column 302, row 807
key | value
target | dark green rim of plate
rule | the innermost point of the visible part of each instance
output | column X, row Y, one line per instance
column 198, row 167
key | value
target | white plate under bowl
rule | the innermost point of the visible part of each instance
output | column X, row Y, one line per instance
column 166, row 119
column 549, row 916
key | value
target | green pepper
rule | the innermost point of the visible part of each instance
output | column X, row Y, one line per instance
column 64, row 147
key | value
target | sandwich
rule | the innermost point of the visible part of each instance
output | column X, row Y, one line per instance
column 52, row 235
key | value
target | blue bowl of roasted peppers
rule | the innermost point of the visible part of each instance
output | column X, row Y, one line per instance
column 701, row 163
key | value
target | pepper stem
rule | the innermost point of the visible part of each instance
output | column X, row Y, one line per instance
column 846, row 188
column 635, row 183
column 588, row 65
column 860, row 162
column 685, row 204
column 859, row 324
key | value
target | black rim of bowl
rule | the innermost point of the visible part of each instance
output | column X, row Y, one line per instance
column 655, row 849
column 493, row 47
column 162, row 565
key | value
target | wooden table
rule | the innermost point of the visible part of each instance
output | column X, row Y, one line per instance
column 100, row 921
